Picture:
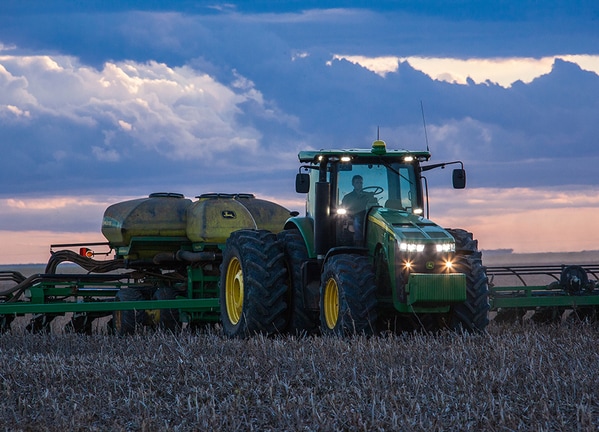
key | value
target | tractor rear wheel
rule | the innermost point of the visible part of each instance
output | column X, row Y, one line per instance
column 253, row 284
column 473, row 314
column 348, row 296
column 302, row 320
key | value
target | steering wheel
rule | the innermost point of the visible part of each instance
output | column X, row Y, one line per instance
column 377, row 190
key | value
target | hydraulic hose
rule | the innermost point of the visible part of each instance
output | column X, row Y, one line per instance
column 185, row 256
column 91, row 265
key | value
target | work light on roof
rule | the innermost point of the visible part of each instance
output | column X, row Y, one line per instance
column 379, row 147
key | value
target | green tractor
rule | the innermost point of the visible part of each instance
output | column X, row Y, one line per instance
column 363, row 259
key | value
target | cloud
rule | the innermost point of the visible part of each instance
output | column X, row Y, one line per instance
column 502, row 71
column 57, row 213
column 56, row 110
column 70, row 125
column 177, row 112
column 9, row 110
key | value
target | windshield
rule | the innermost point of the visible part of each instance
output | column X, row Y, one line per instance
column 395, row 183
column 392, row 186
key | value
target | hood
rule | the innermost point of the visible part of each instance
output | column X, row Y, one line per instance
column 409, row 227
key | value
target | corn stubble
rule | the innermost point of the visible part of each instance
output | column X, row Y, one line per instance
column 515, row 377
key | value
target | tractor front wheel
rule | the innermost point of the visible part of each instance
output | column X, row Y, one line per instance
column 348, row 296
column 473, row 314
column 253, row 284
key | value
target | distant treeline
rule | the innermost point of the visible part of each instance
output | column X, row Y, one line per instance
column 497, row 251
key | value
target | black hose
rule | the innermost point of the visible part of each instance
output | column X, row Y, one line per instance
column 184, row 256
column 91, row 265
column 20, row 288
column 196, row 256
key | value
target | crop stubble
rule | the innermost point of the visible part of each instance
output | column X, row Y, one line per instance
column 514, row 377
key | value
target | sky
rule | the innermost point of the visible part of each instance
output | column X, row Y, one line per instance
column 104, row 101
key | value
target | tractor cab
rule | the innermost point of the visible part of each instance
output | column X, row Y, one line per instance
column 344, row 186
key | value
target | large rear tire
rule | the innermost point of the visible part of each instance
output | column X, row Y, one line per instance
column 253, row 284
column 348, row 296
column 473, row 314
column 302, row 320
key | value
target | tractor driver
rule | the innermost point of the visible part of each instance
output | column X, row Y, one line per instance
column 356, row 203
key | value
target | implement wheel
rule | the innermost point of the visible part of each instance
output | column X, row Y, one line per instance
column 125, row 322
column 165, row 319
column 40, row 323
column 473, row 314
column 5, row 321
column 348, row 296
column 253, row 284
column 81, row 322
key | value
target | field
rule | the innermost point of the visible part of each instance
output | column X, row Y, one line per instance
column 514, row 377
column 519, row 377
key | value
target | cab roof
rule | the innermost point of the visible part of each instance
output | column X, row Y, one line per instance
column 377, row 151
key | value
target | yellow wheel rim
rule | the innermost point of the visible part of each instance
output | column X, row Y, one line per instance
column 331, row 303
column 234, row 291
column 153, row 316
column 117, row 320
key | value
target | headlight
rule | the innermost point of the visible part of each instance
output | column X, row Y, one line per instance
column 411, row 247
column 445, row 247
column 419, row 247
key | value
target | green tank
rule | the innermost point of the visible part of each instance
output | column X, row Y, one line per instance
column 159, row 215
column 210, row 219
column 214, row 217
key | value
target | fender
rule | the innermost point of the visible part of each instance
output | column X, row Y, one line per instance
column 305, row 225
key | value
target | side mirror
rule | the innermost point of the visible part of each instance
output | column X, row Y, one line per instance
column 302, row 183
column 459, row 178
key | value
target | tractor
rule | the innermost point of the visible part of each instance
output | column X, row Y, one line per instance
column 362, row 260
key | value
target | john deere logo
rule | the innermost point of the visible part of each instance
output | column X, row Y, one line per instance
column 430, row 265
column 228, row 214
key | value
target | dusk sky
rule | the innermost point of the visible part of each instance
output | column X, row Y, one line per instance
column 106, row 101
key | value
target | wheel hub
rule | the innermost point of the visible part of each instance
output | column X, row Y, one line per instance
column 234, row 291
column 331, row 303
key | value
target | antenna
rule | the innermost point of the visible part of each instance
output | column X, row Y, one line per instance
column 377, row 133
column 424, row 123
